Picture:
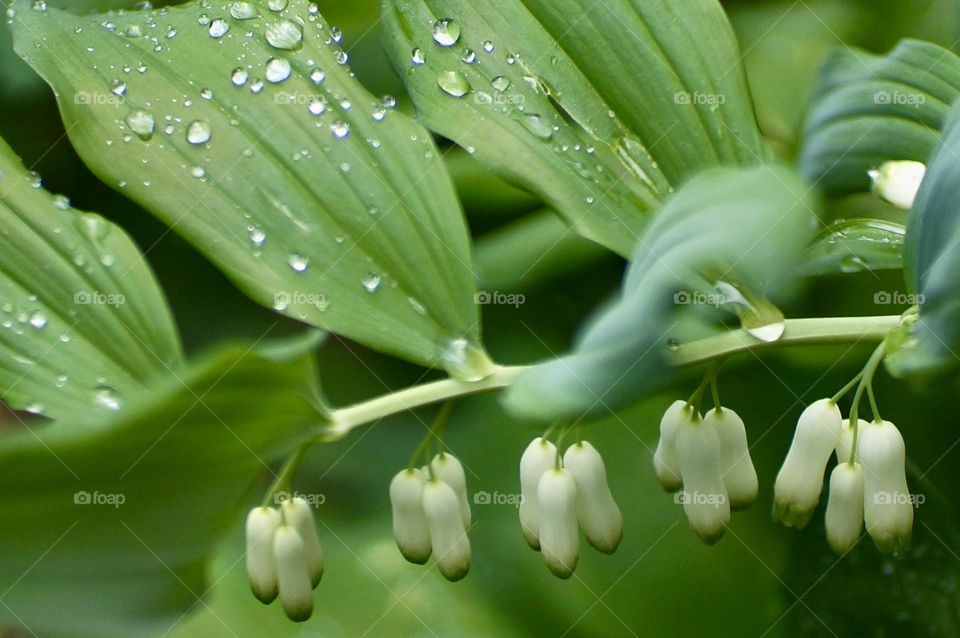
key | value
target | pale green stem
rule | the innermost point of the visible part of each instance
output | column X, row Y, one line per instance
column 869, row 370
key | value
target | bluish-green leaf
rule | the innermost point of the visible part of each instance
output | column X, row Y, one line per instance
column 251, row 138
column 598, row 107
column 745, row 228
column 83, row 324
column 869, row 109
column 112, row 527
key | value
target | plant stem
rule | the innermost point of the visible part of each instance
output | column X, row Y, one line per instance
column 282, row 482
column 868, row 371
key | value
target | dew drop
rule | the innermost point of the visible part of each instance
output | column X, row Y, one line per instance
column 341, row 57
column 469, row 56
column 298, row 262
column 35, row 408
column 106, row 397
column 340, row 129
column 198, row 132
column 239, row 76
column 317, row 76
column 38, row 320
column 142, row 124
column 278, row 70
column 316, row 106
column 257, row 237
column 277, row 5
column 500, row 83
column 371, row 282
column 453, row 83
column 284, row 35
column 488, row 46
column 206, row 94
column 416, row 57
column 537, row 125
column 243, row 10
column 218, row 28
column 446, row 32
column 61, row 201
column 256, row 85
column 119, row 87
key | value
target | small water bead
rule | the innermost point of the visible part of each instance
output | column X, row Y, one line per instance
column 371, row 282
column 39, row 5
column 378, row 114
column 446, row 32
column 317, row 76
column 298, row 262
column 277, row 5
column 169, row 129
column 142, row 124
column 257, row 237
column 239, row 76
column 38, row 320
column 218, row 28
column 198, row 172
column 341, row 57
column 203, row 19
column 469, row 56
column 284, row 34
column 119, row 87
column 243, row 10
column 336, row 34
column 346, row 104
column 198, row 132
column 511, row 58
column 35, row 408
column 453, row 83
column 256, row 85
column 62, row 380
column 501, row 83
column 488, row 46
column 277, row 70
column 316, row 106
column 388, row 102
column 133, row 31
column 539, row 126
column 171, row 32
column 61, row 201
column 340, row 129
column 206, row 94
column 416, row 57
column 106, row 397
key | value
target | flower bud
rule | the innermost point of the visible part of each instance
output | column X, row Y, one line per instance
column 597, row 512
column 297, row 513
column 846, row 440
column 540, row 456
column 704, row 496
column 664, row 459
column 447, row 468
column 887, row 505
column 844, row 517
column 739, row 475
column 559, row 534
column 800, row 480
column 262, row 524
column 293, row 579
column 448, row 535
column 898, row 182
column 409, row 521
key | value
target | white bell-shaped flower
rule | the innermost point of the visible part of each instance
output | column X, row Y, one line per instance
column 846, row 439
column 597, row 512
column 448, row 469
column 665, row 457
column 448, row 535
column 887, row 504
column 800, row 480
column 739, row 475
column 898, row 182
column 293, row 578
column 409, row 520
column 559, row 534
column 298, row 513
column 540, row 456
column 704, row 495
column 844, row 517
column 262, row 524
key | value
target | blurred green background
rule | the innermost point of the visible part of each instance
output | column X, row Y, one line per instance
column 760, row 580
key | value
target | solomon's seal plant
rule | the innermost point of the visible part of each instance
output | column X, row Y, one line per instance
column 243, row 128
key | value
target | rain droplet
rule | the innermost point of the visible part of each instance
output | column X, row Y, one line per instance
column 239, row 76
column 284, row 35
column 197, row 171
column 340, row 129
column 371, row 282
column 298, row 262
column 38, row 320
column 243, row 10
column 317, row 76
column 206, row 94
column 119, row 87
column 278, row 70
column 341, row 57
column 446, row 32
column 501, row 83
column 316, row 106
column 257, row 237
column 416, row 57
column 142, row 124
column 453, row 83
column 35, row 408
column 537, row 125
column 469, row 56
column 389, row 102
column 198, row 132
column 61, row 201
column 256, row 85
column 277, row 5
column 106, row 397
column 488, row 46
column 378, row 114
column 218, row 28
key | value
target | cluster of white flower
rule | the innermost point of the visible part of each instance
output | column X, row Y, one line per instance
column 431, row 515
column 868, row 485
column 706, row 459
column 284, row 556
column 898, row 182
column 561, row 496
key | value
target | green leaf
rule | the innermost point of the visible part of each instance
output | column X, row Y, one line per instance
column 83, row 324
column 929, row 342
column 115, row 523
column 870, row 109
column 597, row 107
column 346, row 219
column 729, row 239
column 855, row 245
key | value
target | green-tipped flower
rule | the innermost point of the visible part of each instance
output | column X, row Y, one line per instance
column 665, row 459
column 887, row 504
column 844, row 517
column 447, row 468
column 293, row 579
column 739, row 475
column 597, row 512
column 540, row 456
column 704, row 496
column 409, row 520
column 448, row 535
column 559, row 534
column 800, row 480
column 262, row 524
column 898, row 182
column 297, row 512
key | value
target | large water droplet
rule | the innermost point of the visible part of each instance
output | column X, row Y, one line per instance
column 218, row 28
column 106, row 397
column 500, row 83
column 340, row 129
column 243, row 10
column 278, row 70
column 284, row 35
column 298, row 262
column 537, row 125
column 371, row 282
column 277, row 5
column 198, row 132
column 453, row 83
column 239, row 76
column 446, row 32
column 142, row 124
